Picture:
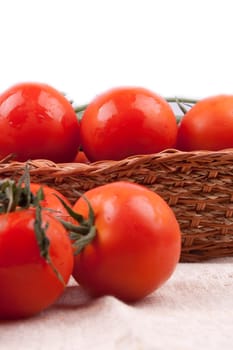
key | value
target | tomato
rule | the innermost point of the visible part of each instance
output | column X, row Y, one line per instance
column 38, row 122
column 81, row 158
column 28, row 283
column 208, row 125
column 136, row 246
column 127, row 121
column 51, row 202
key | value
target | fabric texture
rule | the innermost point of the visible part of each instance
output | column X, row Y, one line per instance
column 192, row 310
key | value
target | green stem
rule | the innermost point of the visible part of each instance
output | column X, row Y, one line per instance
column 181, row 99
column 84, row 232
column 81, row 108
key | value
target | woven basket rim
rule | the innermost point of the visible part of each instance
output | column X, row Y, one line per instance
column 160, row 156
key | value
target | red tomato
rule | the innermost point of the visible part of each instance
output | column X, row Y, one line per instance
column 38, row 122
column 208, row 125
column 127, row 121
column 137, row 243
column 28, row 283
column 50, row 201
column 81, row 158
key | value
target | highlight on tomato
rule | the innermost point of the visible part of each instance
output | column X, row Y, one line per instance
column 127, row 121
column 38, row 122
column 36, row 255
column 127, row 238
column 208, row 125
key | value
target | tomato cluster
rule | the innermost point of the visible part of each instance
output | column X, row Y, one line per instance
column 39, row 122
column 130, row 121
column 118, row 239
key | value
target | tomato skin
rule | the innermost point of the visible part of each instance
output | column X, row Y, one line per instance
column 127, row 121
column 81, row 158
column 51, row 202
column 38, row 122
column 28, row 284
column 208, row 125
column 137, row 245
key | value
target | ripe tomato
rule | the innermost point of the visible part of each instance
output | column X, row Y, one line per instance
column 51, row 202
column 81, row 158
column 127, row 121
column 208, row 125
column 38, row 122
column 137, row 243
column 28, row 283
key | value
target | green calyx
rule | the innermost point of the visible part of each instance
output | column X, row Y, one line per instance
column 83, row 233
column 14, row 195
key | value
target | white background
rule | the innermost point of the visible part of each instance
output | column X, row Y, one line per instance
column 176, row 48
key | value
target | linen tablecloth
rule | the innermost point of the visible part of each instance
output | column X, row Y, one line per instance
column 192, row 310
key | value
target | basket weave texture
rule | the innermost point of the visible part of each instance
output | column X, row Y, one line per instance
column 198, row 186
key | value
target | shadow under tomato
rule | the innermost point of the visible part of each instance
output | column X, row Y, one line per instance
column 73, row 296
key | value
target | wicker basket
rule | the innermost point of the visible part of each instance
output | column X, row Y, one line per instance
column 197, row 185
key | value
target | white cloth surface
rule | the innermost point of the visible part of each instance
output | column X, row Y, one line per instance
column 192, row 310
